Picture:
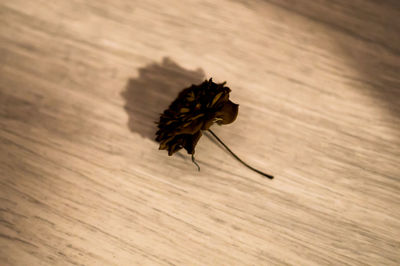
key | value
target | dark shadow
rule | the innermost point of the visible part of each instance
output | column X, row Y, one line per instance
column 375, row 27
column 378, row 63
column 149, row 94
column 374, row 50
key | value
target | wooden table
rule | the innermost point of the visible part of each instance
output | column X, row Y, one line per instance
column 83, row 183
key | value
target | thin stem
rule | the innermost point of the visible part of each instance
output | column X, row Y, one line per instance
column 237, row 158
column 194, row 161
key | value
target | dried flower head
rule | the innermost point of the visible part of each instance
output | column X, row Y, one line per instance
column 197, row 108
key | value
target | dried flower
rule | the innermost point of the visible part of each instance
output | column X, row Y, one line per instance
column 197, row 108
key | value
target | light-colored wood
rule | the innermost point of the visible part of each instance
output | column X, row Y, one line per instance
column 83, row 183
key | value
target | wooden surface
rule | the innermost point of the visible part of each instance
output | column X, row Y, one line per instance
column 83, row 183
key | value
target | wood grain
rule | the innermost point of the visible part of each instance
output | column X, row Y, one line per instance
column 83, row 183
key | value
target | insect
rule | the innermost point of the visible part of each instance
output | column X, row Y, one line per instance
column 196, row 109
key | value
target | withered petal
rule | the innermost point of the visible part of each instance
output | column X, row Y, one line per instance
column 191, row 142
column 228, row 113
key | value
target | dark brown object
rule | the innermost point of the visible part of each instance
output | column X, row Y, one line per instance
column 197, row 108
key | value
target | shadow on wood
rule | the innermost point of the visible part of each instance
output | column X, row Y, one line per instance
column 148, row 95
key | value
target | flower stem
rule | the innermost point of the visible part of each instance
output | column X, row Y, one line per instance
column 237, row 158
column 194, row 161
